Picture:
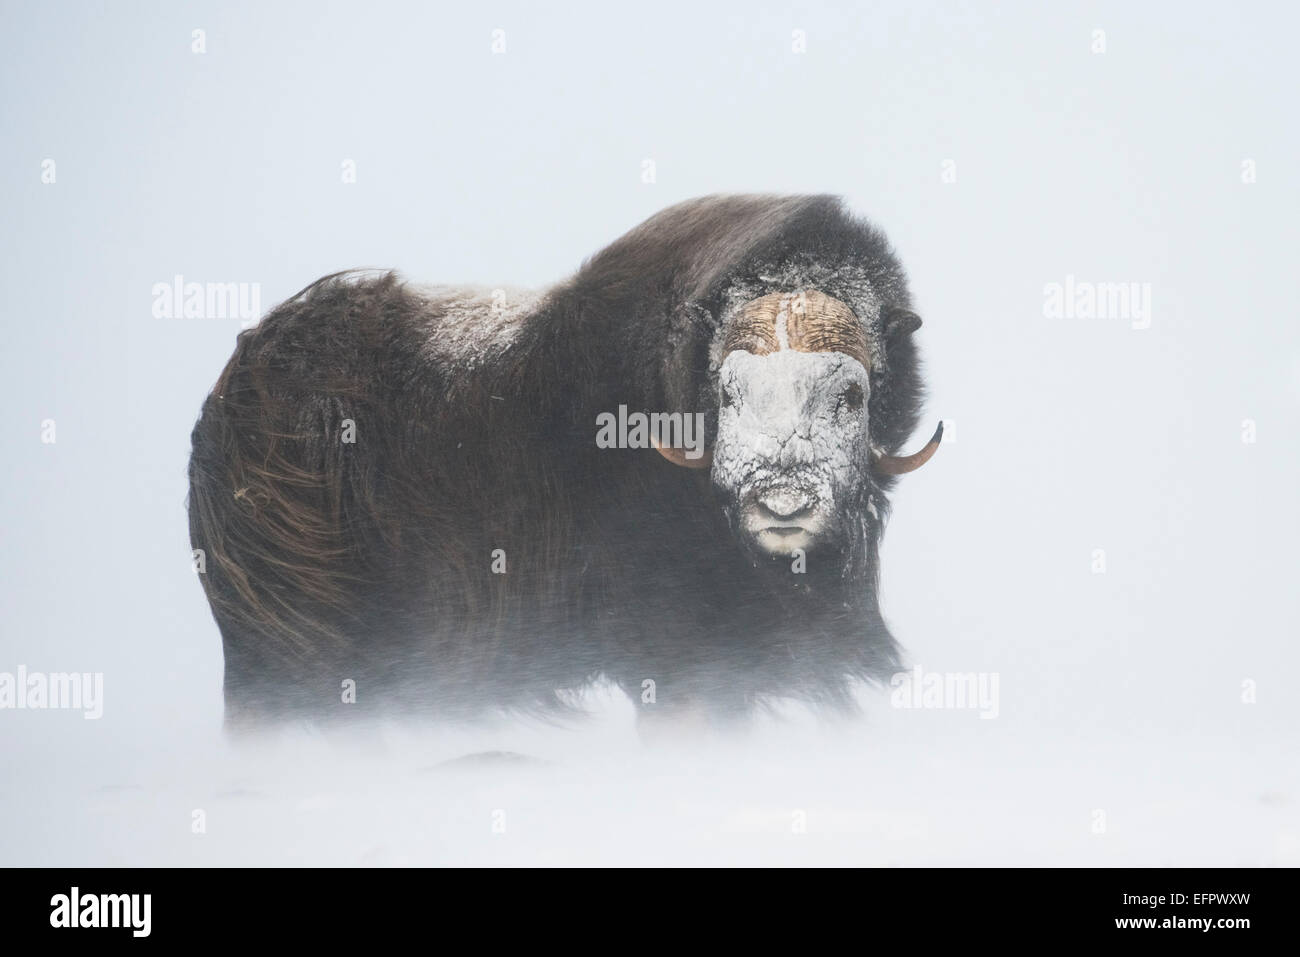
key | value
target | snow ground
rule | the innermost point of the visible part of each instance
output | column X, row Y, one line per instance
column 897, row 788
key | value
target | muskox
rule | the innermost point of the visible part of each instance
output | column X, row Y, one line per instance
column 404, row 509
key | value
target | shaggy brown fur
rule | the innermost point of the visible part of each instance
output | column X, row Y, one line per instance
column 373, row 560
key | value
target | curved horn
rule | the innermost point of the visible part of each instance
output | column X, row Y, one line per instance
column 901, row 464
column 678, row 456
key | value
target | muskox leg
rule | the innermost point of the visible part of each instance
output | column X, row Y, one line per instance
column 252, row 702
column 261, row 691
column 686, row 717
column 670, row 726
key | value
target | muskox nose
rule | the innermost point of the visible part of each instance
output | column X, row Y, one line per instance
column 785, row 505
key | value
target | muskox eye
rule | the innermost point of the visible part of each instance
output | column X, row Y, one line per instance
column 851, row 398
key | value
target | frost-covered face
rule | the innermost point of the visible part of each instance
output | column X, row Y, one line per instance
column 793, row 449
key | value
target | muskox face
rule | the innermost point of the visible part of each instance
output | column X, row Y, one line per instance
column 793, row 458
column 792, row 454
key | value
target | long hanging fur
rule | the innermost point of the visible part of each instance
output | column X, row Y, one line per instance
column 473, row 418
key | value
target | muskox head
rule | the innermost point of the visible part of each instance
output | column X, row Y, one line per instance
column 794, row 456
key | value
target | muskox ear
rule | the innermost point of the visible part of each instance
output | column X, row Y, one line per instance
column 899, row 322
